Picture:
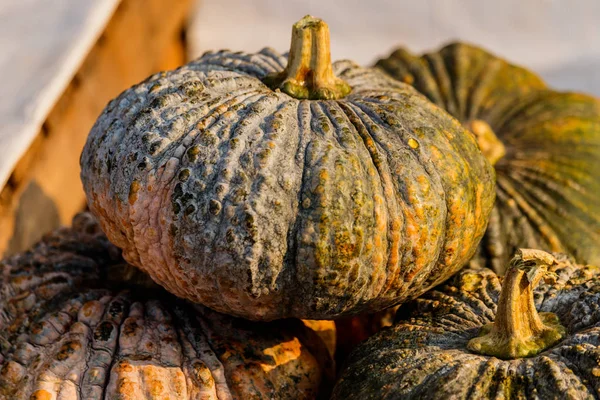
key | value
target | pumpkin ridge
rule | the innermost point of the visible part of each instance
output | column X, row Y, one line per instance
column 502, row 382
column 454, row 65
column 482, row 385
column 240, row 131
column 575, row 365
column 441, row 367
column 292, row 239
column 571, row 365
column 389, row 212
column 161, row 165
column 256, row 65
column 371, row 111
column 280, row 140
column 478, row 95
column 258, row 275
column 158, row 161
column 450, row 379
column 530, row 179
column 254, row 124
column 274, row 59
column 314, row 206
column 147, row 214
column 316, row 118
column 356, row 114
column 540, row 200
column 442, row 78
column 559, row 383
column 334, row 112
column 529, row 211
column 161, row 161
column 203, row 348
column 424, row 75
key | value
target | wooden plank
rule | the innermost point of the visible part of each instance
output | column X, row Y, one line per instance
column 143, row 36
column 44, row 43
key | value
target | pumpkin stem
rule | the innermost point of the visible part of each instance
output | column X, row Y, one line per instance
column 519, row 331
column 309, row 74
column 489, row 144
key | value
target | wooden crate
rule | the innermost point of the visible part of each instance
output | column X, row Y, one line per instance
column 44, row 189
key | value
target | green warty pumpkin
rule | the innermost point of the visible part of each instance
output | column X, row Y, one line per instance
column 311, row 190
column 472, row 338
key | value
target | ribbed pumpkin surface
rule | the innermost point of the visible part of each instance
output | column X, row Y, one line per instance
column 263, row 206
column 67, row 332
column 548, row 183
column 425, row 355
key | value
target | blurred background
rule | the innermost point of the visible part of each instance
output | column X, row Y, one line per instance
column 559, row 39
column 61, row 61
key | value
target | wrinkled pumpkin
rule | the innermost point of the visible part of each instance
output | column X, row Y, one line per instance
column 69, row 330
column 268, row 190
column 483, row 337
column 545, row 146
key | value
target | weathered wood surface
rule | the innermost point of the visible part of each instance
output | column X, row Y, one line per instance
column 49, row 107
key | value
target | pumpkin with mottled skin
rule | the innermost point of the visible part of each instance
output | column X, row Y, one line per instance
column 262, row 205
column 437, row 349
column 545, row 145
column 70, row 330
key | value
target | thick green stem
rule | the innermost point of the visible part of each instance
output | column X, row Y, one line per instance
column 489, row 144
column 518, row 330
column 309, row 74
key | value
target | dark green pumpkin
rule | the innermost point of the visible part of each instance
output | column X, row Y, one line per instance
column 268, row 187
column 548, row 179
column 434, row 350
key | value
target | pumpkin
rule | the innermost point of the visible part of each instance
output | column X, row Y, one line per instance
column 265, row 190
column 479, row 336
column 545, row 146
column 69, row 330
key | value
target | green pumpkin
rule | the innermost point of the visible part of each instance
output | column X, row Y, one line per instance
column 267, row 187
column 545, row 146
column 480, row 336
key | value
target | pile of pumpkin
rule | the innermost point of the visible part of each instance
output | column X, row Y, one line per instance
column 256, row 190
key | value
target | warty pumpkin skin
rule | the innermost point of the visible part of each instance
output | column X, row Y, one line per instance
column 433, row 350
column 69, row 331
column 260, row 205
column 545, row 145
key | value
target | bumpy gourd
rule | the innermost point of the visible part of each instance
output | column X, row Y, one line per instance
column 545, row 146
column 267, row 203
column 472, row 338
column 71, row 328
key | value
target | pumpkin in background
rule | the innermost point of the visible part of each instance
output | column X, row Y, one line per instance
column 70, row 331
column 545, row 146
column 473, row 338
column 266, row 191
